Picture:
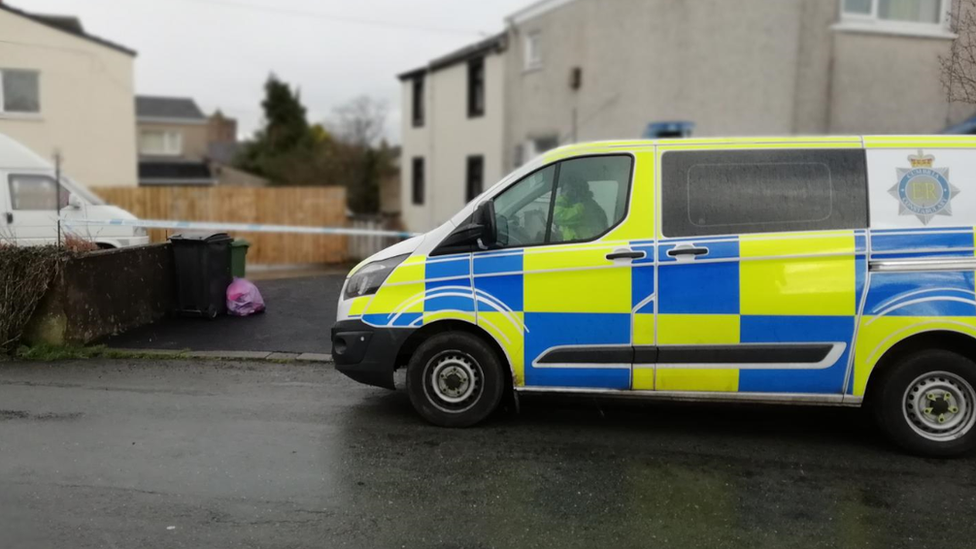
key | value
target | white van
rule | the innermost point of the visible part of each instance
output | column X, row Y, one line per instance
column 31, row 203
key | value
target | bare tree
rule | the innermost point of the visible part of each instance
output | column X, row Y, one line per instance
column 959, row 66
column 361, row 122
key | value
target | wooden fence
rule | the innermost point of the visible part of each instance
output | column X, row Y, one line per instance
column 300, row 206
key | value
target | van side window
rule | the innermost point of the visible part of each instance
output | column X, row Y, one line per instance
column 36, row 192
column 590, row 197
column 739, row 192
column 522, row 211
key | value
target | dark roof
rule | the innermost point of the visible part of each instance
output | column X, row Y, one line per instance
column 492, row 44
column 174, row 172
column 68, row 24
column 177, row 108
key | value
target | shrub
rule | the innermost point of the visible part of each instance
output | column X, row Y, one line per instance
column 25, row 275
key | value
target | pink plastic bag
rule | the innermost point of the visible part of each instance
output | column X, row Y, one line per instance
column 243, row 298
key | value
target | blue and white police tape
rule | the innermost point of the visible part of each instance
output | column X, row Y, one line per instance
column 234, row 227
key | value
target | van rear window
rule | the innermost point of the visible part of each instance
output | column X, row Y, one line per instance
column 739, row 192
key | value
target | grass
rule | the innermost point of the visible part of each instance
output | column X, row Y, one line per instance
column 52, row 353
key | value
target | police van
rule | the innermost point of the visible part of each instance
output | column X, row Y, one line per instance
column 832, row 271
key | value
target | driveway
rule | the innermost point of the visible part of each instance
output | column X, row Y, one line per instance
column 176, row 454
column 300, row 313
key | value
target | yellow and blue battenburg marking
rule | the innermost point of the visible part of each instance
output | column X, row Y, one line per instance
column 902, row 304
column 774, row 289
column 755, row 291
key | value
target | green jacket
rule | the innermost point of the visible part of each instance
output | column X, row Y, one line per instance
column 580, row 221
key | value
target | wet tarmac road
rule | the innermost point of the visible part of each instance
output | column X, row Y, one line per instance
column 201, row 455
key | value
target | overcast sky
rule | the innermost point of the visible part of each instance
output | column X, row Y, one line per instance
column 221, row 51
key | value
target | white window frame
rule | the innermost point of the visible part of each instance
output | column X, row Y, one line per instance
column 20, row 114
column 532, row 50
column 172, row 143
column 871, row 22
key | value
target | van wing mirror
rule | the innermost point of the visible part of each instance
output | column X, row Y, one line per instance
column 478, row 233
column 75, row 201
column 485, row 217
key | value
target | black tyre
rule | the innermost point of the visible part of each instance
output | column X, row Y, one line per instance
column 455, row 380
column 927, row 403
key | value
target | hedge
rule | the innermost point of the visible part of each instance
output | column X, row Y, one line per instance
column 25, row 275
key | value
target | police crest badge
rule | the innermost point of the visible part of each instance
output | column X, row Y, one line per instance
column 923, row 190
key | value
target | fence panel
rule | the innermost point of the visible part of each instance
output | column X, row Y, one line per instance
column 300, row 206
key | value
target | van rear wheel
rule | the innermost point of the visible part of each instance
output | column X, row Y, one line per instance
column 455, row 379
column 927, row 404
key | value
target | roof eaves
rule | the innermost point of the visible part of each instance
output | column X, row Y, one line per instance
column 173, row 120
column 493, row 44
column 83, row 35
column 535, row 10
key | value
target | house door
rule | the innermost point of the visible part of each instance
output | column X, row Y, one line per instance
column 761, row 270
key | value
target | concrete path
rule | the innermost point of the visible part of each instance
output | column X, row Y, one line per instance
column 300, row 314
column 222, row 455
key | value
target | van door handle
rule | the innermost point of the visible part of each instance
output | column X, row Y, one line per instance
column 10, row 217
column 626, row 254
column 687, row 251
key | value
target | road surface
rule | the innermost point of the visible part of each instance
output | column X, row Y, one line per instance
column 116, row 454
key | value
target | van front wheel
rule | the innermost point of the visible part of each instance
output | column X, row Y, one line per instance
column 928, row 404
column 454, row 379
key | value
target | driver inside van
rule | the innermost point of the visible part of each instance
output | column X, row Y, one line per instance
column 577, row 215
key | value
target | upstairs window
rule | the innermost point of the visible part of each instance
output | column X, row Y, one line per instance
column 476, row 88
column 20, row 92
column 418, row 102
column 533, row 51
column 418, row 183
column 897, row 12
column 160, row 143
column 476, row 177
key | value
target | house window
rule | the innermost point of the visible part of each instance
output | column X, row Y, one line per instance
column 476, row 88
column 20, row 91
column 418, row 182
column 418, row 102
column 476, row 177
column 533, row 51
column 160, row 143
column 928, row 12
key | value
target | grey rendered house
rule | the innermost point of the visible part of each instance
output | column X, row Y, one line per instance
column 583, row 70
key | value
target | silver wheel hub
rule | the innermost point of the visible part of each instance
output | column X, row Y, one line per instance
column 940, row 406
column 453, row 379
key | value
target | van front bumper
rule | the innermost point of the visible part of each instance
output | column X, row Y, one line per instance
column 367, row 354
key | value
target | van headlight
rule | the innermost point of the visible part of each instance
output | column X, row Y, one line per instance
column 368, row 279
column 141, row 231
